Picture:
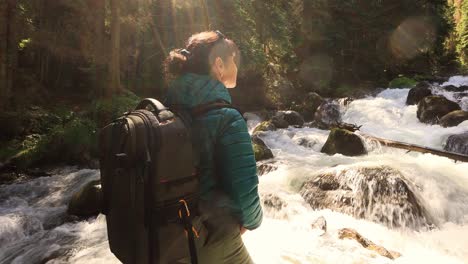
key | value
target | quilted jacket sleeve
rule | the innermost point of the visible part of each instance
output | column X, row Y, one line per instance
column 238, row 170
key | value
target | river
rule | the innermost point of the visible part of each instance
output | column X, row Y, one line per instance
column 34, row 227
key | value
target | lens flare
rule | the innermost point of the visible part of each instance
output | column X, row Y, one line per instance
column 413, row 37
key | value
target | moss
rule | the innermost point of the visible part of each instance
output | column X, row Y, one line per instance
column 402, row 82
column 264, row 126
column 262, row 152
column 344, row 142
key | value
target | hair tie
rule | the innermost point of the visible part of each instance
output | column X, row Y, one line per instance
column 186, row 53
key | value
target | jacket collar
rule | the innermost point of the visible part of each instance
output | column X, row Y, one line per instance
column 190, row 90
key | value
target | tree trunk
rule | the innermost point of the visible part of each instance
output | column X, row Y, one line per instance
column 3, row 53
column 411, row 147
column 8, row 50
column 114, row 61
column 206, row 15
column 98, row 13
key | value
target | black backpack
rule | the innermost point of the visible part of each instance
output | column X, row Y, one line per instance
column 150, row 183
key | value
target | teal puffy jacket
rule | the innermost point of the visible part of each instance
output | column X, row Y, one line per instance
column 221, row 133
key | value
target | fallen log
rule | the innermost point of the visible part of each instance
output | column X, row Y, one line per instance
column 421, row 149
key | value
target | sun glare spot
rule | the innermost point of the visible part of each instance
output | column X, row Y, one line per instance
column 414, row 36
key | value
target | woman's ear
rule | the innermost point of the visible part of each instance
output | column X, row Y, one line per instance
column 219, row 68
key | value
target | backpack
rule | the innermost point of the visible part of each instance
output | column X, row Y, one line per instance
column 150, row 183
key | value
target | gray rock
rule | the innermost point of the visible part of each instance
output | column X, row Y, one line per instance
column 453, row 118
column 294, row 118
column 265, row 167
column 88, row 201
column 418, row 92
column 379, row 194
column 457, row 143
column 344, row 142
column 311, row 104
column 278, row 121
column 452, row 88
column 273, row 201
column 432, row 108
column 327, row 114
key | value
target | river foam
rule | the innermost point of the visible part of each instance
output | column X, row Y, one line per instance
column 34, row 226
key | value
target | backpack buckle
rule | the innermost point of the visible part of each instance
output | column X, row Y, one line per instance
column 184, row 206
column 186, row 219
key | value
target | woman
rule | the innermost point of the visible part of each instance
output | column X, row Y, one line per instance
column 229, row 204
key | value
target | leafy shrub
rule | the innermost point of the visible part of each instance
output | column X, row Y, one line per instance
column 402, row 82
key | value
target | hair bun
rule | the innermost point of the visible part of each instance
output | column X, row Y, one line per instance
column 175, row 62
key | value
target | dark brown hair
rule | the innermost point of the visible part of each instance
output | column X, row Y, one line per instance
column 199, row 54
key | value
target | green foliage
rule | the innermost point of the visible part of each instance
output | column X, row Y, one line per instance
column 105, row 110
column 462, row 34
column 402, row 82
column 73, row 143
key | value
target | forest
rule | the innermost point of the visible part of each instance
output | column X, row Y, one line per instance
column 356, row 111
column 68, row 67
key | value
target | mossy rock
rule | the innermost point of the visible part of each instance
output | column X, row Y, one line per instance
column 402, row 82
column 344, row 142
column 88, row 201
column 264, row 126
column 261, row 150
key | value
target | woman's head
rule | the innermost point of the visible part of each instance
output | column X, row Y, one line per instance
column 209, row 53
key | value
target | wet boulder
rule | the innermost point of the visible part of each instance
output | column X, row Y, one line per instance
column 432, row 108
column 376, row 193
column 87, row 201
column 460, row 96
column 306, row 142
column 344, row 142
column 454, row 118
column 348, row 233
column 279, row 121
column 311, row 104
column 457, row 143
column 327, row 114
column 264, row 126
column 261, row 150
column 293, row 118
column 273, row 201
column 265, row 167
column 453, row 88
column 418, row 92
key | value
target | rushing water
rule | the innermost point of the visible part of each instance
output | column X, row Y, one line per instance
column 34, row 227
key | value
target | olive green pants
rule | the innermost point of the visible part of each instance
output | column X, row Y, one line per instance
column 223, row 244
column 219, row 242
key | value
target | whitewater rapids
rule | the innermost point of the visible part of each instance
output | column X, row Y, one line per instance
column 34, row 227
